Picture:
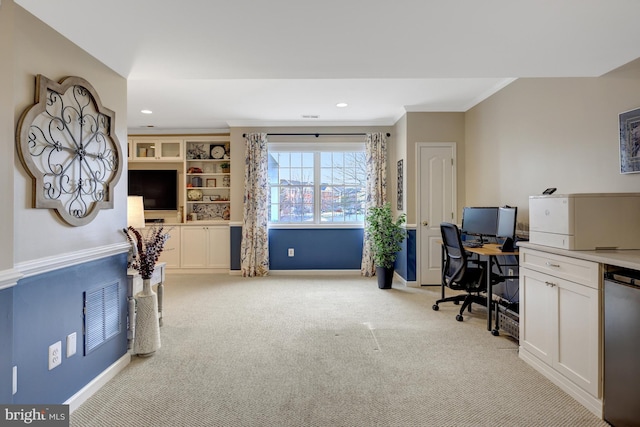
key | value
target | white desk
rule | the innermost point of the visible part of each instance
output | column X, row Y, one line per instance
column 134, row 286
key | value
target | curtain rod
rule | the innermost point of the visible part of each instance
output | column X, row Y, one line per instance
column 316, row 134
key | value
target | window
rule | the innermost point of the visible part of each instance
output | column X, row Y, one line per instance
column 316, row 183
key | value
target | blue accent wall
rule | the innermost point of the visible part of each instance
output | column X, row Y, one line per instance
column 316, row 249
column 6, row 344
column 47, row 308
column 405, row 264
column 236, row 240
column 323, row 249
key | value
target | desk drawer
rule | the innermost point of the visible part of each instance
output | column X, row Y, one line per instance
column 573, row 269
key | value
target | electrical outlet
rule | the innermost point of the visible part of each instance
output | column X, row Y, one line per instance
column 71, row 344
column 291, row 252
column 55, row 354
column 510, row 272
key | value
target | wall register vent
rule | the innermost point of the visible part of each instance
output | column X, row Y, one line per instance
column 101, row 316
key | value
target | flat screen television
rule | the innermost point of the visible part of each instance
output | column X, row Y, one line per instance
column 158, row 188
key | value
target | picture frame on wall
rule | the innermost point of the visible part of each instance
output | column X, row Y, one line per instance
column 629, row 122
column 400, row 201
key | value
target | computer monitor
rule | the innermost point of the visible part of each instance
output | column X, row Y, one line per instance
column 507, row 222
column 480, row 221
column 507, row 227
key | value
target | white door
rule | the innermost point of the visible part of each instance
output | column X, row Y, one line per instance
column 436, row 179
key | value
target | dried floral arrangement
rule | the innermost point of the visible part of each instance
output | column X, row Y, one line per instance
column 147, row 248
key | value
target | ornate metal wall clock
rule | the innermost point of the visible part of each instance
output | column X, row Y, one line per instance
column 67, row 143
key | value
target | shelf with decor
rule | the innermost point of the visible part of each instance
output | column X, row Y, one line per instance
column 207, row 179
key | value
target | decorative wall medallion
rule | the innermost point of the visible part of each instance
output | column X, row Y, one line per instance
column 67, row 143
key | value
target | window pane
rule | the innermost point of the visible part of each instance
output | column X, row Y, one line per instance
column 307, row 160
column 340, row 191
column 283, row 159
column 325, row 159
column 296, row 159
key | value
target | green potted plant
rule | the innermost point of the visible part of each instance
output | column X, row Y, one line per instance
column 225, row 166
column 386, row 236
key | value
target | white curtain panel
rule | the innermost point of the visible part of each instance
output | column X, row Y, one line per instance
column 254, row 250
column 375, row 148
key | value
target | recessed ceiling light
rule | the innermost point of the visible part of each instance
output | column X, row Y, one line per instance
column 146, row 111
column 341, row 104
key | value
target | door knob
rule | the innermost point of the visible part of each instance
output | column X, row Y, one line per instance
column 425, row 223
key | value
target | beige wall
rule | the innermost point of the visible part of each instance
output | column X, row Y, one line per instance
column 556, row 132
column 6, row 133
column 40, row 50
column 432, row 127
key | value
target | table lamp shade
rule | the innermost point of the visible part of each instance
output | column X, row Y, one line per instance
column 135, row 212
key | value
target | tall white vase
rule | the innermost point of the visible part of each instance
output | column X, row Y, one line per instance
column 147, row 331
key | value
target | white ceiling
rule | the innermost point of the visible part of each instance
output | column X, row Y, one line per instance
column 211, row 64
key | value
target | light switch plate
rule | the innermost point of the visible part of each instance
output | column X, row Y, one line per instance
column 71, row 344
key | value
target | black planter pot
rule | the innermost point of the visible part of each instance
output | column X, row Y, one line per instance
column 385, row 277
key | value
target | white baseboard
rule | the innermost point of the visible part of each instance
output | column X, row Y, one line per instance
column 590, row 402
column 314, row 272
column 96, row 384
column 406, row 283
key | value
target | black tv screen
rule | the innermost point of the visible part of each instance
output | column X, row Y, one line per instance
column 159, row 188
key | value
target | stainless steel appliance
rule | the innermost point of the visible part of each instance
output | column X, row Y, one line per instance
column 622, row 348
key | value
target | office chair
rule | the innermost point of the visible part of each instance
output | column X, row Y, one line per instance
column 457, row 274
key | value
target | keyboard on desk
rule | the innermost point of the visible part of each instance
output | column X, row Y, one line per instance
column 472, row 244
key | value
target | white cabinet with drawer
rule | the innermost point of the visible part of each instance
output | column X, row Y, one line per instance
column 560, row 314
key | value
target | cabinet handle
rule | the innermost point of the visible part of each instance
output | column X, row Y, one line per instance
column 549, row 264
column 550, row 284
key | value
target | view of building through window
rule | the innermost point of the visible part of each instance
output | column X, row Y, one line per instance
column 317, row 187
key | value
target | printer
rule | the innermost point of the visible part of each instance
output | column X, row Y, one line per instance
column 585, row 221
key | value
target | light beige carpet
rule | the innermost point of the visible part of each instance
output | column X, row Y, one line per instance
column 324, row 351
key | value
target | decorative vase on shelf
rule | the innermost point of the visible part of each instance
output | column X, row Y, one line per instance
column 147, row 335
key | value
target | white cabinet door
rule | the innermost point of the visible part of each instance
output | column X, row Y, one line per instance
column 219, row 250
column 195, row 242
column 577, row 355
column 171, row 252
column 537, row 315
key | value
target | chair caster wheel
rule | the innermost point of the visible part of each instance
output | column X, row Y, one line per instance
column 435, row 307
column 459, row 318
column 495, row 332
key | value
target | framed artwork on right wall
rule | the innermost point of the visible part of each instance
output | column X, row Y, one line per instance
column 400, row 203
column 630, row 141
